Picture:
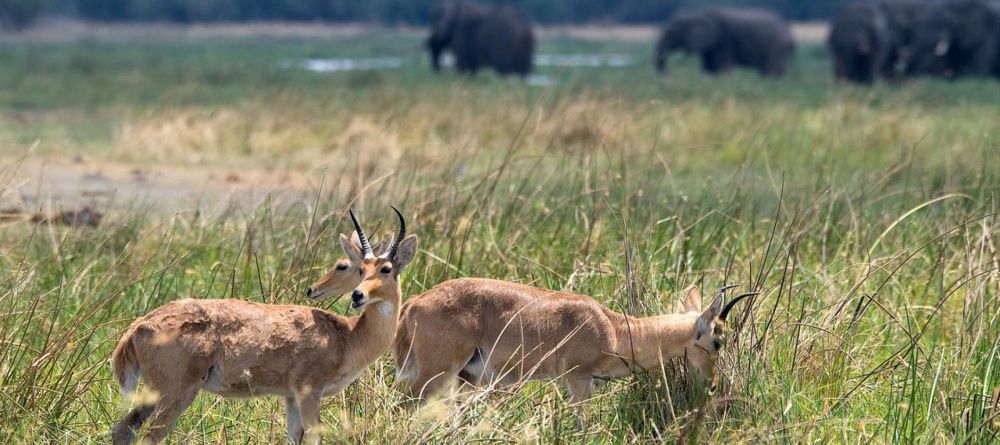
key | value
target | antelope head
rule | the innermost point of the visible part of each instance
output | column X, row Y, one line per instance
column 345, row 275
column 380, row 274
column 710, row 330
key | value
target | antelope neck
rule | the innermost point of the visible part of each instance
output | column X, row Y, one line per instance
column 644, row 342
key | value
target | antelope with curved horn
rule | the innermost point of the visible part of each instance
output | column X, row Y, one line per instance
column 507, row 332
column 237, row 348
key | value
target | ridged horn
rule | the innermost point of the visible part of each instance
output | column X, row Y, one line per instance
column 390, row 253
column 729, row 306
column 722, row 290
column 366, row 248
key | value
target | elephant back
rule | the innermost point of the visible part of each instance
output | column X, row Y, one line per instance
column 859, row 26
column 506, row 40
column 763, row 27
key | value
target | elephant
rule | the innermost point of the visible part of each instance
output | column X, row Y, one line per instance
column 902, row 17
column 860, row 41
column 500, row 37
column 729, row 36
column 959, row 38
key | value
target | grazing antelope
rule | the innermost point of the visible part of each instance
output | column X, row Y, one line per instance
column 236, row 348
column 505, row 332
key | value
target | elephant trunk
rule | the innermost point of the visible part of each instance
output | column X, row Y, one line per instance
column 661, row 64
column 435, row 49
column 662, row 53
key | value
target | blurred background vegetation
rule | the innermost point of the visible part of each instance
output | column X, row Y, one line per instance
column 19, row 13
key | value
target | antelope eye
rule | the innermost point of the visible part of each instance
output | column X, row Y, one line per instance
column 386, row 269
column 341, row 266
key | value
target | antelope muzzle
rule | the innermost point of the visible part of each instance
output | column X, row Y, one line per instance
column 358, row 298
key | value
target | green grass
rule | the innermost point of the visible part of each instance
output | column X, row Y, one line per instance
column 866, row 216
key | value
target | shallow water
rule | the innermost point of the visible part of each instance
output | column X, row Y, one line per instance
column 584, row 60
column 346, row 64
column 540, row 80
column 342, row 64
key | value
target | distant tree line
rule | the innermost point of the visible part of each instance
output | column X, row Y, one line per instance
column 16, row 13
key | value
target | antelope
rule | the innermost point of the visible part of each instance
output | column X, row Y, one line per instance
column 508, row 332
column 235, row 348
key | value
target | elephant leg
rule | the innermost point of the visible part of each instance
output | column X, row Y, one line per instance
column 716, row 61
column 980, row 61
column 436, row 58
column 889, row 66
column 872, row 70
column 725, row 61
column 769, row 69
column 469, row 69
column 840, row 69
column 776, row 64
column 865, row 68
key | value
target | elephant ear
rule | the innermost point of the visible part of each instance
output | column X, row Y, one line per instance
column 702, row 33
column 443, row 20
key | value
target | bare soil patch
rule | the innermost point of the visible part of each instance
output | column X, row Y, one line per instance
column 61, row 189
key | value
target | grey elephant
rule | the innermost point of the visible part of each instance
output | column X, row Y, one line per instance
column 860, row 42
column 727, row 37
column 902, row 16
column 959, row 38
column 873, row 38
column 499, row 37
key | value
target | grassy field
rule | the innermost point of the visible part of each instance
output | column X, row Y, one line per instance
column 867, row 217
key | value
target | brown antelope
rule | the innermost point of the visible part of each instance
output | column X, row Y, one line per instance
column 506, row 332
column 236, row 348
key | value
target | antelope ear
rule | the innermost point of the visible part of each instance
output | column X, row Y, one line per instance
column 405, row 252
column 706, row 318
column 352, row 247
column 692, row 299
column 380, row 246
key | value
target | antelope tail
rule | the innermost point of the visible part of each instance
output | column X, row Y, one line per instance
column 125, row 364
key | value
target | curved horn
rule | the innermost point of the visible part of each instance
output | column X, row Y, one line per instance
column 390, row 253
column 366, row 248
column 723, row 289
column 729, row 306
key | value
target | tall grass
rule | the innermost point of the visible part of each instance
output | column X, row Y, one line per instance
column 866, row 218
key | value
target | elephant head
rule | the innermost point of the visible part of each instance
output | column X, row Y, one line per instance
column 931, row 46
column 858, row 38
column 956, row 38
column 691, row 32
column 443, row 21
